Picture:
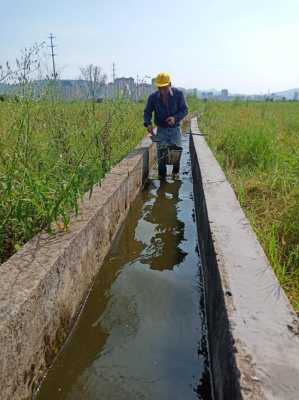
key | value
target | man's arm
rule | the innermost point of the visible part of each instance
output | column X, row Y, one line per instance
column 148, row 112
column 182, row 108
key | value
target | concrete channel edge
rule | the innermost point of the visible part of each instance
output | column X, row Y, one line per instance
column 43, row 286
column 253, row 330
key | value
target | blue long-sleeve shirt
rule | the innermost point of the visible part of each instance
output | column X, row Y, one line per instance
column 176, row 107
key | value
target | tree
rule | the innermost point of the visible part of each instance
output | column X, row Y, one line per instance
column 95, row 80
column 24, row 66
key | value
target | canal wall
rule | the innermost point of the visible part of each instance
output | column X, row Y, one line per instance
column 253, row 330
column 44, row 285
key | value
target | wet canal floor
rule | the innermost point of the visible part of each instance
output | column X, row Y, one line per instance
column 142, row 334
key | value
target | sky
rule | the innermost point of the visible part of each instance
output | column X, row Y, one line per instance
column 246, row 46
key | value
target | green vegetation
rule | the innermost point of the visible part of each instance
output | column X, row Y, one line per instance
column 257, row 144
column 51, row 153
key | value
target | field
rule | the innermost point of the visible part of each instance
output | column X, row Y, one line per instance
column 51, row 153
column 257, row 144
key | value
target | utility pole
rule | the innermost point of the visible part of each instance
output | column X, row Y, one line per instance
column 113, row 72
column 51, row 37
column 137, row 87
column 115, row 90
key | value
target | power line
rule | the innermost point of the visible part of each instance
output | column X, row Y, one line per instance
column 51, row 37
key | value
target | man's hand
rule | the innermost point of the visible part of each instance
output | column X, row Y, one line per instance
column 150, row 129
column 170, row 121
column 151, row 132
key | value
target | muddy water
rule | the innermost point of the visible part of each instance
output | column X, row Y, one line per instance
column 141, row 334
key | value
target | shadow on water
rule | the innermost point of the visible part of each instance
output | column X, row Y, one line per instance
column 142, row 333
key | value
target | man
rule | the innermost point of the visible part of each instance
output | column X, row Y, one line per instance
column 169, row 107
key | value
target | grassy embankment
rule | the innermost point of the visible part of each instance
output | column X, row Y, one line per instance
column 257, row 144
column 51, row 153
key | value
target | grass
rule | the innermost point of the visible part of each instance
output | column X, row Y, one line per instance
column 257, row 144
column 51, row 153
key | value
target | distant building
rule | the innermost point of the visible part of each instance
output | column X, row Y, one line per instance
column 128, row 88
column 189, row 92
column 145, row 89
column 224, row 93
column 124, row 87
column 110, row 90
column 296, row 96
column 207, row 95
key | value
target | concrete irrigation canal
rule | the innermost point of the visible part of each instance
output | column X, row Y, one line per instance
column 142, row 333
column 159, row 290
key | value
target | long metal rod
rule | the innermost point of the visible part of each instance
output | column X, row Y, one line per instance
column 197, row 134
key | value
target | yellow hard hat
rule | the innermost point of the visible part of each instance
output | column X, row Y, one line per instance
column 163, row 79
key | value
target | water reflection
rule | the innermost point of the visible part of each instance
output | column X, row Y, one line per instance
column 163, row 251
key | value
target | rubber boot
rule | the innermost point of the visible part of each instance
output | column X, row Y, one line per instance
column 162, row 155
column 176, row 166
